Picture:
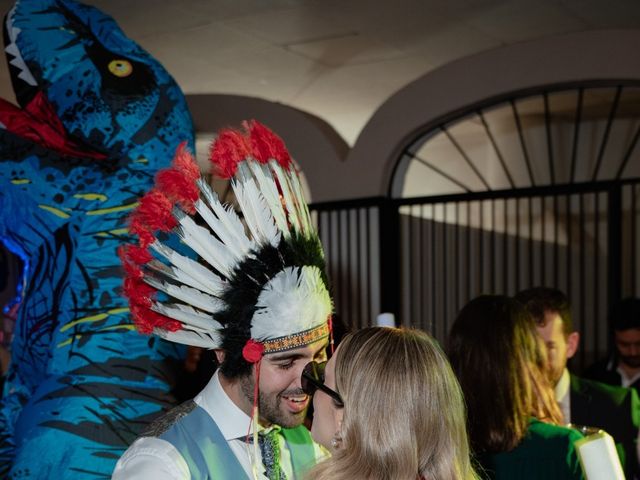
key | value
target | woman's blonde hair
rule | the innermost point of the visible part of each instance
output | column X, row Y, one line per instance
column 404, row 415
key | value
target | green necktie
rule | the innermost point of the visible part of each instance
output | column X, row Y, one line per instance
column 270, row 450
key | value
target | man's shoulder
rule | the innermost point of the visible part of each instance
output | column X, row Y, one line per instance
column 547, row 432
column 613, row 393
column 166, row 421
column 151, row 458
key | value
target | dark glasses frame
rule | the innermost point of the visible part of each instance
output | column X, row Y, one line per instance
column 312, row 379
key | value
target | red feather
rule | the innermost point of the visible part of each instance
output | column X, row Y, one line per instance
column 138, row 228
column 229, row 149
column 146, row 320
column 185, row 162
column 266, row 145
column 154, row 213
column 139, row 316
column 131, row 269
column 179, row 188
column 138, row 254
column 138, row 292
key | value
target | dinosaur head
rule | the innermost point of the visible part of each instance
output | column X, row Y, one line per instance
column 110, row 95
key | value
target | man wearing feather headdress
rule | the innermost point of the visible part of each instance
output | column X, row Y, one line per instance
column 257, row 295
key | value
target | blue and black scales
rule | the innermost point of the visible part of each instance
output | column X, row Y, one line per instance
column 82, row 382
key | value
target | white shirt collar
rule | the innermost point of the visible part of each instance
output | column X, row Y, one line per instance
column 562, row 395
column 625, row 380
column 562, row 387
column 231, row 420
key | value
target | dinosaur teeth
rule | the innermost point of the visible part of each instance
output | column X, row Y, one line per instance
column 12, row 49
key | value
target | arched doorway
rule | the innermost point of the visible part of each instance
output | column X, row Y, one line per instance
column 537, row 187
column 534, row 187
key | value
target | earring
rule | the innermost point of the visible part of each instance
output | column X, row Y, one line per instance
column 336, row 441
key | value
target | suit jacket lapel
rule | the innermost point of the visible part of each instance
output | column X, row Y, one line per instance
column 580, row 401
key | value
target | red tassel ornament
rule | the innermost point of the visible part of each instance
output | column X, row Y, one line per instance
column 252, row 351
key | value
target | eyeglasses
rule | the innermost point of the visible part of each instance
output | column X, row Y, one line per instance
column 313, row 379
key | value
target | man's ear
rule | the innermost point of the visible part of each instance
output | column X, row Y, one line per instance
column 220, row 354
column 573, row 339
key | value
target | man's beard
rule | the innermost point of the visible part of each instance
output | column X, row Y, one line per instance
column 269, row 405
column 632, row 361
column 555, row 375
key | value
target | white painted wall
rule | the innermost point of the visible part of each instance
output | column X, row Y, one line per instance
column 335, row 172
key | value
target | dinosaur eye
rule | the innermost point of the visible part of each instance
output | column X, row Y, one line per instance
column 120, row 68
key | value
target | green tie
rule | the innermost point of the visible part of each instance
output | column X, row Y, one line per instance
column 270, row 450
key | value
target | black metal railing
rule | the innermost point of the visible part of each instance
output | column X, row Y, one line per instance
column 424, row 258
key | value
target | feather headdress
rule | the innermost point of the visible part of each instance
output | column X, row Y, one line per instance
column 255, row 283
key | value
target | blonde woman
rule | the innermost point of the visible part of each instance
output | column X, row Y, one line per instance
column 388, row 407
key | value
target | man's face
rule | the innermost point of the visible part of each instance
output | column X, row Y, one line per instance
column 628, row 345
column 282, row 400
column 559, row 347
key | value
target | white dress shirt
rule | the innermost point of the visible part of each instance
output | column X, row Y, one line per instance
column 151, row 458
column 562, row 395
column 625, row 380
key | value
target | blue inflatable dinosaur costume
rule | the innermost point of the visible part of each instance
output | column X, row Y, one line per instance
column 99, row 116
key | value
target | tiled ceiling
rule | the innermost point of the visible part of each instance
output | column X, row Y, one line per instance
column 339, row 60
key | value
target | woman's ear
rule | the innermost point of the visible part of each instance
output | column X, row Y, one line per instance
column 337, row 417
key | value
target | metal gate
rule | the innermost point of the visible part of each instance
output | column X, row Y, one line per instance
column 424, row 258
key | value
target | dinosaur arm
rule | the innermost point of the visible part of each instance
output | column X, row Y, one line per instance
column 39, row 123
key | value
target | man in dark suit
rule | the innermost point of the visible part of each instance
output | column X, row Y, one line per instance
column 583, row 402
column 622, row 366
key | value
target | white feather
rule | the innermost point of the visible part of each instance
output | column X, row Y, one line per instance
column 293, row 301
column 188, row 316
column 175, row 274
column 269, row 190
column 221, row 231
column 257, row 214
column 247, row 213
column 206, row 245
column 227, row 216
column 195, row 339
column 186, row 268
column 188, row 295
column 305, row 217
column 289, row 199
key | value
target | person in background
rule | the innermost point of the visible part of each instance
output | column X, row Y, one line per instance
column 583, row 402
column 514, row 422
column 388, row 406
column 622, row 366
